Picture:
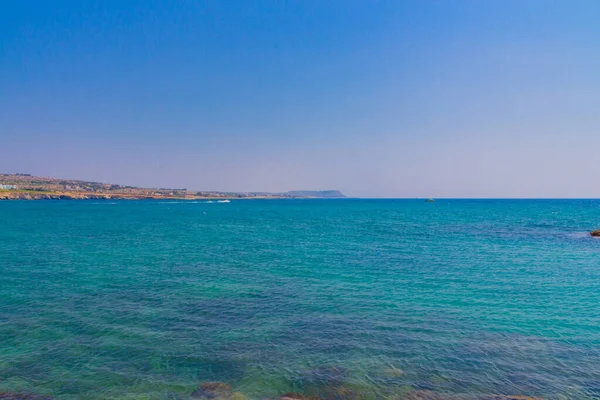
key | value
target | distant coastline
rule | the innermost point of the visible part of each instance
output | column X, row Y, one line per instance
column 29, row 187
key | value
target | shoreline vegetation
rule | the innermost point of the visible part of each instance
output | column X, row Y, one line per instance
column 28, row 187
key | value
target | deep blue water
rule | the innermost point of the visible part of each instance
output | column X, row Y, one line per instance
column 147, row 299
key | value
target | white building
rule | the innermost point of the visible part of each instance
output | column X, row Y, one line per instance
column 8, row 187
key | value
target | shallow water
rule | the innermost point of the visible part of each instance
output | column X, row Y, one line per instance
column 147, row 299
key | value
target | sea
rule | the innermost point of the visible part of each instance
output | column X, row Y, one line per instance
column 327, row 299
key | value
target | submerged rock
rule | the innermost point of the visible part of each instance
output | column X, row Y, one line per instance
column 504, row 397
column 217, row 391
column 595, row 233
column 295, row 396
column 424, row 395
column 326, row 393
column 213, row 390
column 430, row 395
column 22, row 396
column 340, row 393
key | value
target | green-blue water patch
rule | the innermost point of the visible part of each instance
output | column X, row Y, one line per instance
column 147, row 299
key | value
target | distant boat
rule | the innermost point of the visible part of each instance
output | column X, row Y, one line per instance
column 429, row 200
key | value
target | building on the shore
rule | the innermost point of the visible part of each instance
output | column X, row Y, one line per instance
column 8, row 187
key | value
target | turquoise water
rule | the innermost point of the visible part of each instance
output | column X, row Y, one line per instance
column 147, row 299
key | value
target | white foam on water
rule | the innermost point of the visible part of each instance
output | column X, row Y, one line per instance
column 190, row 202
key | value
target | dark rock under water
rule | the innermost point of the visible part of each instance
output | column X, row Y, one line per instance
column 222, row 391
column 212, row 390
column 22, row 396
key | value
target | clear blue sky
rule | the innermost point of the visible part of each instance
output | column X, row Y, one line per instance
column 497, row 98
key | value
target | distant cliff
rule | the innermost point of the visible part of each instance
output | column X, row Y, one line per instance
column 322, row 194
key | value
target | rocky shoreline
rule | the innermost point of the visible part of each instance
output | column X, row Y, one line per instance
column 103, row 196
column 89, row 196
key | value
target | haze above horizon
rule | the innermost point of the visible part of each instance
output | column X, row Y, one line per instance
column 376, row 99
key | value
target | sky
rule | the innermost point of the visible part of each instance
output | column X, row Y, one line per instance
column 410, row 98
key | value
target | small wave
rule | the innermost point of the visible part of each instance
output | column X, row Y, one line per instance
column 580, row 235
column 104, row 203
column 177, row 202
column 191, row 202
column 184, row 202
